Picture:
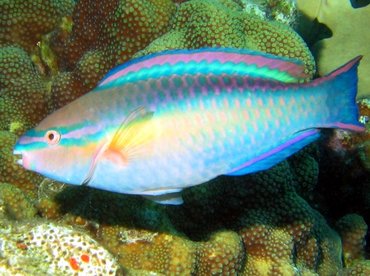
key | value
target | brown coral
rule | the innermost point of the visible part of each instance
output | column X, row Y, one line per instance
column 100, row 40
column 23, row 22
column 24, row 95
column 157, row 252
column 352, row 229
column 222, row 254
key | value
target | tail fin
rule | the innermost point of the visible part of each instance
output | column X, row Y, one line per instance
column 341, row 84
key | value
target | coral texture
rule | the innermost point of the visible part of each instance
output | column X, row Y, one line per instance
column 51, row 249
column 23, row 22
column 200, row 23
column 352, row 228
column 54, row 51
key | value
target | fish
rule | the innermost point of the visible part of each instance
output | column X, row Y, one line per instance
column 171, row 120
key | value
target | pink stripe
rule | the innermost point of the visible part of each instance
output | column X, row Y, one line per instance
column 223, row 57
column 78, row 133
column 352, row 127
column 280, row 148
column 344, row 68
column 29, row 140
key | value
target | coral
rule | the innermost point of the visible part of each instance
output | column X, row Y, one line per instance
column 23, row 22
column 12, row 173
column 202, row 23
column 253, row 225
column 222, row 254
column 50, row 249
column 14, row 203
column 156, row 252
column 283, row 235
column 47, row 205
column 305, row 170
column 349, row 38
column 24, row 96
column 281, row 11
column 101, row 40
column 359, row 268
column 352, row 229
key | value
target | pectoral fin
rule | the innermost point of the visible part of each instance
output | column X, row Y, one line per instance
column 128, row 141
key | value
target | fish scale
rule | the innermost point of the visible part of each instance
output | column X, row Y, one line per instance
column 176, row 119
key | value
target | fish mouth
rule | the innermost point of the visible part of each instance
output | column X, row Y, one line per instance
column 18, row 157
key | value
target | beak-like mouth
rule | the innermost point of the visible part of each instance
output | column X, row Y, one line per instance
column 18, row 157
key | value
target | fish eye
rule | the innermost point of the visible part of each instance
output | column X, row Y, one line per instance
column 52, row 137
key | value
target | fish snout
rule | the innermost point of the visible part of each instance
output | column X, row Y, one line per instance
column 18, row 157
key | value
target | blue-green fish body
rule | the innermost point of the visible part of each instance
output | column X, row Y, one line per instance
column 176, row 119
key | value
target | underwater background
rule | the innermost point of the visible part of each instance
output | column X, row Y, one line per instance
column 306, row 216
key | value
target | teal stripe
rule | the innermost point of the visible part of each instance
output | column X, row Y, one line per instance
column 61, row 129
column 65, row 142
column 204, row 68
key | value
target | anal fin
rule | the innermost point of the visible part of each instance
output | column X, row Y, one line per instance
column 167, row 199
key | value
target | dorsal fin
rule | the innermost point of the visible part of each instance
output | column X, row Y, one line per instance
column 229, row 61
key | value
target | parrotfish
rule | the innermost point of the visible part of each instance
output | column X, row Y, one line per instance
column 179, row 118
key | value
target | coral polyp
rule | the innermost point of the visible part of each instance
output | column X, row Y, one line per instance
column 306, row 216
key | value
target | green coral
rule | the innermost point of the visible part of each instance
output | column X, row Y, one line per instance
column 359, row 268
column 15, row 204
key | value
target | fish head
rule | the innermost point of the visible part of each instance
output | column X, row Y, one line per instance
column 57, row 151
